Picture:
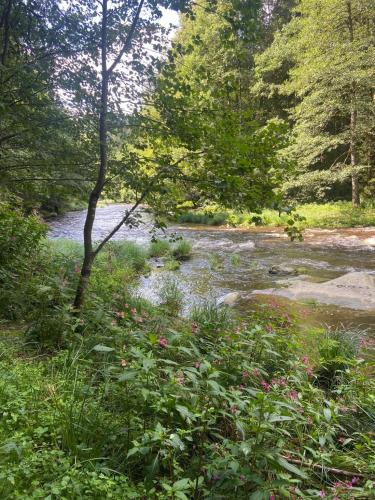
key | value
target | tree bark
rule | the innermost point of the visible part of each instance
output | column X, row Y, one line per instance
column 353, row 121
column 102, row 170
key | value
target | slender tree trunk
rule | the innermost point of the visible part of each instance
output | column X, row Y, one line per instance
column 5, row 24
column 353, row 158
column 98, row 188
column 353, row 121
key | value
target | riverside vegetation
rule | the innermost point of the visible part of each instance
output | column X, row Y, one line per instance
column 313, row 215
column 129, row 400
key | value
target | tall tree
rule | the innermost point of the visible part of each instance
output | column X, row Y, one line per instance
column 332, row 82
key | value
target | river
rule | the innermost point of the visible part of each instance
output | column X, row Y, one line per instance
column 212, row 271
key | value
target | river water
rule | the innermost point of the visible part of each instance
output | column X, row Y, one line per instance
column 213, row 271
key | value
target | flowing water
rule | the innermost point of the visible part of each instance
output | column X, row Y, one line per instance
column 213, row 271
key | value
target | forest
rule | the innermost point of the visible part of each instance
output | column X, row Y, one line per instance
column 187, row 237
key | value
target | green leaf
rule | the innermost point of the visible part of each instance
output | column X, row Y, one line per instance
column 129, row 375
column 291, row 468
column 102, row 348
column 181, row 484
column 327, row 414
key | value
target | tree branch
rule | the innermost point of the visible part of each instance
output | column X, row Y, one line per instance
column 128, row 40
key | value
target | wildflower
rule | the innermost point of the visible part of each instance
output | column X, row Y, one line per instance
column 341, row 440
column 163, row 342
column 344, row 409
column 355, row 480
column 363, row 342
column 233, row 409
column 120, row 314
column 305, row 360
column 180, row 380
column 321, row 494
column 123, row 363
column 256, row 372
column 293, row 395
column 194, row 327
column 272, row 497
column 242, row 478
column 309, row 420
column 282, row 382
column 114, row 322
column 354, row 408
column 245, row 374
column 242, row 387
column 133, row 310
column 265, row 385
column 77, row 269
column 269, row 328
column 216, row 477
column 197, row 365
column 126, row 306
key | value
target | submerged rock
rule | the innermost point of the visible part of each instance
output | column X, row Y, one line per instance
column 283, row 271
column 230, row 299
column 352, row 290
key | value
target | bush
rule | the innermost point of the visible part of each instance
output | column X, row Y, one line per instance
column 159, row 248
column 182, row 250
column 211, row 317
column 171, row 298
column 20, row 243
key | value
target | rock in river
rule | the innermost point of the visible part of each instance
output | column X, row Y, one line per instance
column 230, row 299
column 283, row 271
column 353, row 290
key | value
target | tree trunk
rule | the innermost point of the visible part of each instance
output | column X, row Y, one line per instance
column 98, row 188
column 353, row 122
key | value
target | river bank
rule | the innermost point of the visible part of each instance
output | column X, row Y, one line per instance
column 226, row 260
column 323, row 216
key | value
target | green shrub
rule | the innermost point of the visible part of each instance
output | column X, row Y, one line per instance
column 182, row 250
column 172, row 265
column 159, row 248
column 171, row 297
column 211, row 317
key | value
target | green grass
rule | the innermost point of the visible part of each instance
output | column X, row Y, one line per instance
column 328, row 215
column 159, row 248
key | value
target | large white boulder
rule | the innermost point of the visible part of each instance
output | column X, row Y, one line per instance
column 353, row 290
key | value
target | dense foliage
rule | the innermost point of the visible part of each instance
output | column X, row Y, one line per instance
column 129, row 400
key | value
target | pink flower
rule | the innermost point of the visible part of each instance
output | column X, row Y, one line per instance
column 133, row 310
column 233, row 409
column 363, row 342
column 245, row 374
column 242, row 387
column 309, row 420
column 272, row 497
column 305, row 360
column 194, row 327
column 293, row 395
column 265, row 385
column 256, row 372
column 344, row 409
column 197, row 365
column 120, row 314
column 355, row 480
column 126, row 306
column 269, row 328
column 114, row 322
column 163, row 342
column 123, row 363
column 242, row 478
column 321, row 494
